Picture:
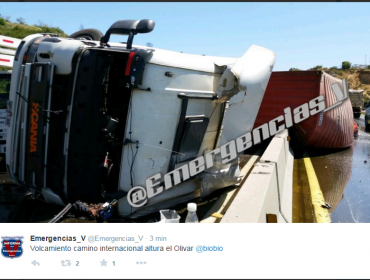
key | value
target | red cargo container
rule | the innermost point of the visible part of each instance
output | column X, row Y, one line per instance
column 332, row 129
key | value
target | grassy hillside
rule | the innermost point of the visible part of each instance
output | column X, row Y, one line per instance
column 352, row 76
column 21, row 29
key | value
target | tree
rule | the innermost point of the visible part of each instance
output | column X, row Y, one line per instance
column 21, row 20
column 40, row 24
column 294, row 69
column 20, row 31
column 346, row 65
column 316, row 68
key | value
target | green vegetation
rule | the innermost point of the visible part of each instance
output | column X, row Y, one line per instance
column 294, row 69
column 21, row 20
column 3, row 84
column 21, row 29
column 346, row 65
column 334, row 71
column 318, row 67
column 3, row 93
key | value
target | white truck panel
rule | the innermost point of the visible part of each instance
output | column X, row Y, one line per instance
column 6, row 60
column 59, row 53
column 9, row 42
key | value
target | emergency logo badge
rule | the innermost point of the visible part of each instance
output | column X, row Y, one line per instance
column 11, row 247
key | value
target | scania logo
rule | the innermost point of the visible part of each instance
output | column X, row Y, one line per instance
column 34, row 120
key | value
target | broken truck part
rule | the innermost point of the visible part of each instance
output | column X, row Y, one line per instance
column 94, row 119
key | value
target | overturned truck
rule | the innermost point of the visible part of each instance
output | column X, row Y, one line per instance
column 92, row 120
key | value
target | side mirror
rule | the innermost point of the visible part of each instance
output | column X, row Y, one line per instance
column 130, row 28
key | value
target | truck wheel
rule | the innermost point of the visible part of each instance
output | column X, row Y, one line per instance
column 87, row 34
column 22, row 210
column 31, row 210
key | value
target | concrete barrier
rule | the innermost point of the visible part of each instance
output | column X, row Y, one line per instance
column 266, row 195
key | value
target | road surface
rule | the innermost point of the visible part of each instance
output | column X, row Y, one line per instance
column 344, row 178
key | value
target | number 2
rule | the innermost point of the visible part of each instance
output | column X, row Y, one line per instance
column 77, row 263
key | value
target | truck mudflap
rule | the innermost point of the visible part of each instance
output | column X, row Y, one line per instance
column 37, row 124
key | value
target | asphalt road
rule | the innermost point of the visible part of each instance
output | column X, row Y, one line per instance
column 344, row 178
column 354, row 207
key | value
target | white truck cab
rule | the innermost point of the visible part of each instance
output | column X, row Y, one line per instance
column 92, row 120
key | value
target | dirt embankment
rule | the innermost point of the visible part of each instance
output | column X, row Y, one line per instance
column 357, row 79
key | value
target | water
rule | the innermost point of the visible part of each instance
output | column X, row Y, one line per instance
column 355, row 204
column 344, row 178
column 192, row 218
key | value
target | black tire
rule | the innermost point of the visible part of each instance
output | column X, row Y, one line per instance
column 23, row 210
column 31, row 210
column 2, row 163
column 87, row 34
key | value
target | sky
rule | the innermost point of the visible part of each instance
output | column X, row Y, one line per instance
column 302, row 35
